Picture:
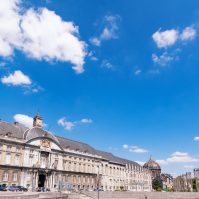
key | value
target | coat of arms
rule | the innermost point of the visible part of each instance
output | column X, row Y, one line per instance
column 45, row 143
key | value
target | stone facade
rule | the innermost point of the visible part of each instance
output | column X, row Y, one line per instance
column 183, row 183
column 33, row 157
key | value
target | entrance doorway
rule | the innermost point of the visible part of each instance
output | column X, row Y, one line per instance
column 42, row 179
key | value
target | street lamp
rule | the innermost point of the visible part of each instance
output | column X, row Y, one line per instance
column 98, row 182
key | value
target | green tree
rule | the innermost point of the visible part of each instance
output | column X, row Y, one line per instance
column 194, row 185
column 157, row 184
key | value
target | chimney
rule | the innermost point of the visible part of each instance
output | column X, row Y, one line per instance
column 16, row 123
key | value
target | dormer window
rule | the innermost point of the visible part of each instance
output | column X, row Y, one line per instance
column 8, row 134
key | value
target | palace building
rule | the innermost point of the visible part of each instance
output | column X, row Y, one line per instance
column 154, row 167
column 34, row 157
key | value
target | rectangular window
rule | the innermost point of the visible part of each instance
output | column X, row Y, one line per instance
column 30, row 160
column 28, row 176
column 5, row 176
column 17, row 149
column 15, row 176
column 9, row 148
column 8, row 158
column 17, row 158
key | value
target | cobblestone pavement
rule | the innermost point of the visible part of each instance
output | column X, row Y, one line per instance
column 102, row 195
column 36, row 195
column 140, row 195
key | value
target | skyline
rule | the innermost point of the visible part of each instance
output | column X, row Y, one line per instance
column 105, row 74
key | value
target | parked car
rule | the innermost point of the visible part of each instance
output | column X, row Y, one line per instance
column 42, row 189
column 21, row 188
column 98, row 189
column 12, row 188
column 2, row 188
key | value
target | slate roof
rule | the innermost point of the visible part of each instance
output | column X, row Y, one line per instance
column 115, row 159
column 20, row 132
column 38, row 132
column 75, row 145
column 15, row 130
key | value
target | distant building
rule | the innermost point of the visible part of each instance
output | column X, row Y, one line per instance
column 196, row 176
column 33, row 157
column 154, row 167
column 167, row 181
column 183, row 183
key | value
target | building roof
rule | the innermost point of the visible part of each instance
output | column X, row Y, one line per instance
column 152, row 165
column 18, row 131
column 15, row 130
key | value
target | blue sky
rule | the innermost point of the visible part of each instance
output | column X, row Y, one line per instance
column 122, row 76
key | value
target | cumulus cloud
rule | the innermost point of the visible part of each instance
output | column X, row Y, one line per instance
column 16, row 79
column 69, row 125
column 40, row 34
column 24, row 119
column 178, row 157
column 137, row 72
column 188, row 33
column 109, row 31
column 10, row 33
column 163, row 59
column 86, row 121
column 95, row 41
column 134, row 149
column 106, row 64
column 162, row 162
column 167, row 38
column 196, row 139
column 140, row 162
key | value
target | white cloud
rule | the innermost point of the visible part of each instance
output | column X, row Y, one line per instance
column 109, row 31
column 165, row 38
column 95, row 41
column 16, row 79
column 86, row 121
column 196, row 139
column 106, row 64
column 179, row 157
column 24, row 119
column 40, row 34
column 69, row 125
column 125, row 146
column 66, row 124
column 163, row 59
column 162, row 162
column 137, row 72
column 140, row 162
column 92, row 56
column 134, row 149
column 10, row 33
column 188, row 33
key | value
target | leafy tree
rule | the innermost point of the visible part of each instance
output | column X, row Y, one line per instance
column 157, row 184
column 194, row 185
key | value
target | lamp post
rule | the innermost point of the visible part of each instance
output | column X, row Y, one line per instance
column 98, row 182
